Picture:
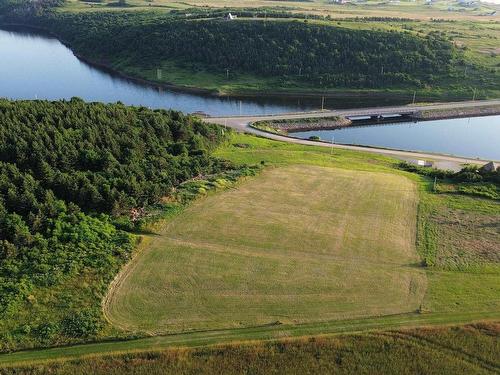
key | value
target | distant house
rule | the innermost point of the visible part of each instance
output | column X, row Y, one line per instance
column 230, row 17
column 491, row 167
column 422, row 163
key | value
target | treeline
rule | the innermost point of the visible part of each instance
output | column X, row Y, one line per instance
column 470, row 180
column 103, row 158
column 23, row 8
column 69, row 171
column 261, row 12
column 320, row 55
column 469, row 173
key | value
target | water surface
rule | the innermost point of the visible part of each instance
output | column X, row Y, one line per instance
column 34, row 66
column 476, row 137
column 39, row 66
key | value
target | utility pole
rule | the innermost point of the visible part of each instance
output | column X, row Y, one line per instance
column 474, row 95
column 414, row 96
column 382, row 70
column 322, row 103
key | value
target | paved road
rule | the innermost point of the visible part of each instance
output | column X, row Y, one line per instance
column 241, row 123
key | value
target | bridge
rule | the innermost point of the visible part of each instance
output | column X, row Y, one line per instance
column 383, row 117
column 241, row 123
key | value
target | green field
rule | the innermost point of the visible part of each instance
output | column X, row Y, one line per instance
column 224, row 240
column 294, row 245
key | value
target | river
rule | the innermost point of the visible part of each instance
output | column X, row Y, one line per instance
column 34, row 66
column 39, row 66
column 475, row 137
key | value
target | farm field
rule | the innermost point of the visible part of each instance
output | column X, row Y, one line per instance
column 445, row 9
column 296, row 244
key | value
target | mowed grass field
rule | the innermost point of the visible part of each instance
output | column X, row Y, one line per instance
column 296, row 244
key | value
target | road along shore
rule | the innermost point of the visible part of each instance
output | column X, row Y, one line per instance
column 440, row 110
column 285, row 126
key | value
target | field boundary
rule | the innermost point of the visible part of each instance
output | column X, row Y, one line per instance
column 262, row 333
column 141, row 246
column 120, row 278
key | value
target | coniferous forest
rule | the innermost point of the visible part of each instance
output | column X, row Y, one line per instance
column 68, row 172
column 326, row 56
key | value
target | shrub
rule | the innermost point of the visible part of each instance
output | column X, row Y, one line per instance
column 83, row 323
column 45, row 332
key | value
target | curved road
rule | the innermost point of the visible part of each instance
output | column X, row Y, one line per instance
column 242, row 124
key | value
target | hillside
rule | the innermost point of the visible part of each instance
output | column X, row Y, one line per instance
column 280, row 54
column 302, row 257
column 321, row 55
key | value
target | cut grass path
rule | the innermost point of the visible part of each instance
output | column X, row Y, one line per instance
column 294, row 245
column 197, row 339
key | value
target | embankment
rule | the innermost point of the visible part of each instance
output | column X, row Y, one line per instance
column 285, row 126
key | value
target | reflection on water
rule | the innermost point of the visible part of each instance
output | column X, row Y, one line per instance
column 37, row 66
column 470, row 137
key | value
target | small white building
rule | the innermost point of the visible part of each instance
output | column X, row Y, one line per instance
column 422, row 163
column 230, row 17
column 491, row 167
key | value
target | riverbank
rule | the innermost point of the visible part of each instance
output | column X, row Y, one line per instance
column 104, row 66
column 441, row 160
column 305, row 124
column 204, row 83
column 443, row 114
